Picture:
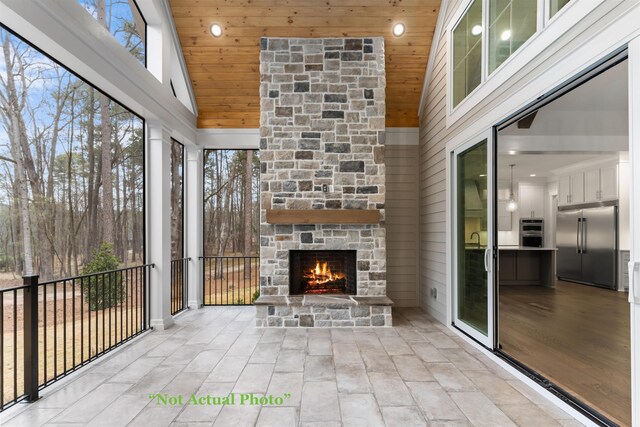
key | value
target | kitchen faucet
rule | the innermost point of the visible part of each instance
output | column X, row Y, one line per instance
column 477, row 234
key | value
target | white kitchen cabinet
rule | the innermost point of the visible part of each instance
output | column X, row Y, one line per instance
column 601, row 184
column 577, row 188
column 571, row 189
column 609, row 182
column 531, row 203
column 564, row 190
column 592, row 185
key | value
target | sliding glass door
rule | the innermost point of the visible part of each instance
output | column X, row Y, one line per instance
column 473, row 240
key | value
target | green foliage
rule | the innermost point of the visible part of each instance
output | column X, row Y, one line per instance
column 239, row 301
column 103, row 290
column 255, row 296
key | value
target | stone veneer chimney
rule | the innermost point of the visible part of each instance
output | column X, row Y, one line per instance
column 322, row 123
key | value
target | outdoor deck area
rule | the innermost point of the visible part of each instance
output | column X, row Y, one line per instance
column 415, row 373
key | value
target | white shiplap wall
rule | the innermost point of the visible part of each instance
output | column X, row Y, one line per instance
column 434, row 133
column 401, row 159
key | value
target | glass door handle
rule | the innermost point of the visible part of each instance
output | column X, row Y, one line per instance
column 487, row 253
column 634, row 267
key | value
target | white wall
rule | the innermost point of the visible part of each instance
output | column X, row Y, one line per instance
column 401, row 160
column 609, row 26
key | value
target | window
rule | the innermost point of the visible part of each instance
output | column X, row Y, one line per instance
column 511, row 23
column 124, row 20
column 486, row 35
column 78, row 182
column 555, row 6
column 467, row 52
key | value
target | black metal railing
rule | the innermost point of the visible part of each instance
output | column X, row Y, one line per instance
column 52, row 328
column 230, row 280
column 179, row 284
column 12, row 344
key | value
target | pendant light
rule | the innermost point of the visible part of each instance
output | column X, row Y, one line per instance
column 512, row 204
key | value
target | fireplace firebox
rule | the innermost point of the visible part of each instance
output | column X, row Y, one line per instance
column 322, row 272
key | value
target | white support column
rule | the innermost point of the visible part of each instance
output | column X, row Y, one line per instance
column 634, row 194
column 194, row 226
column 159, row 224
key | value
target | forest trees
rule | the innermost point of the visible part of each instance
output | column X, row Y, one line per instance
column 231, row 206
column 71, row 162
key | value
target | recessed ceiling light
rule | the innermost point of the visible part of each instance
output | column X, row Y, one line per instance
column 483, row 174
column 398, row 29
column 511, row 152
column 532, row 175
column 506, row 35
column 476, row 30
column 216, row 30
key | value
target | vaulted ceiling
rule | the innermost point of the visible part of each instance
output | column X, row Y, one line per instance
column 225, row 71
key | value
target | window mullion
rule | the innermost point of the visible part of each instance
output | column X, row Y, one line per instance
column 485, row 41
column 543, row 14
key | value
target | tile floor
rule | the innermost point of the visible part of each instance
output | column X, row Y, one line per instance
column 416, row 373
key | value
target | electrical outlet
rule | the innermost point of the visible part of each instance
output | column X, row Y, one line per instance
column 325, row 188
column 434, row 293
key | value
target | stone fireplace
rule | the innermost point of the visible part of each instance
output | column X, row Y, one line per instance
column 322, row 232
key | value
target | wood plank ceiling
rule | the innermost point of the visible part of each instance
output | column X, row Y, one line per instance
column 225, row 71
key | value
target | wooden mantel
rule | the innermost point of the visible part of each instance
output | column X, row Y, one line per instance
column 323, row 216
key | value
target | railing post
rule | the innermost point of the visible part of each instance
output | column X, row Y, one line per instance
column 30, row 305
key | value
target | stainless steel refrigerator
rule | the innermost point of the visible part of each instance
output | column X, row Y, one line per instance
column 587, row 241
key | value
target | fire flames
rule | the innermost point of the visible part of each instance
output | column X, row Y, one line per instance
column 321, row 275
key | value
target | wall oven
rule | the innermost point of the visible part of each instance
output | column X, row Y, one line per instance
column 532, row 233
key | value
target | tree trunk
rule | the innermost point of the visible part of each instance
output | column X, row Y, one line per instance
column 70, row 229
column 14, row 222
column 106, row 157
column 92, row 192
column 120, row 246
column 17, row 132
column 134, row 215
column 176, row 199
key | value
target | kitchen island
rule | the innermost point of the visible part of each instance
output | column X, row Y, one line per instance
column 519, row 265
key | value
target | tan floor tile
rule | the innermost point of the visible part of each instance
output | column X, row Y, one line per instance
column 434, row 402
column 281, row 417
column 353, row 379
column 287, row 382
column 319, row 368
column 405, row 416
column 83, row 410
column 450, row 377
column 255, row 378
column 528, row 415
column 417, row 373
column 360, row 410
column 320, row 402
column 411, row 368
column 479, row 409
column 205, row 413
column 390, row 390
column 395, row 345
column 290, row 361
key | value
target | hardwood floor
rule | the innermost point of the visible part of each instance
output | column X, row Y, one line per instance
column 576, row 336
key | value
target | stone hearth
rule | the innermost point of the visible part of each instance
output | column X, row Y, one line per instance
column 322, row 147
